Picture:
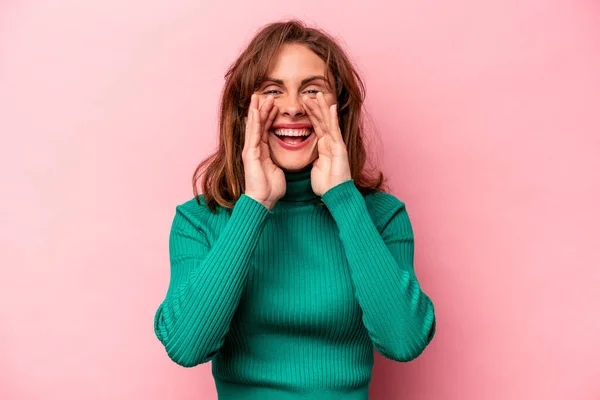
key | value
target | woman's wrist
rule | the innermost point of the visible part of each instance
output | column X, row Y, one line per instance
column 268, row 204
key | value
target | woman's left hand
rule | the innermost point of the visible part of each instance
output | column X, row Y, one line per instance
column 332, row 167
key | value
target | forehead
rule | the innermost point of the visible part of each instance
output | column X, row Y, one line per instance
column 295, row 62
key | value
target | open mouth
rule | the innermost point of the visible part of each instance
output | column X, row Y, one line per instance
column 293, row 137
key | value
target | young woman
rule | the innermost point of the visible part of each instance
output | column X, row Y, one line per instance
column 294, row 264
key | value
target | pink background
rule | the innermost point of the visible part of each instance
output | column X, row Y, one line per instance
column 488, row 114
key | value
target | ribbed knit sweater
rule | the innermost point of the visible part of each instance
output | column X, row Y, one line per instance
column 289, row 303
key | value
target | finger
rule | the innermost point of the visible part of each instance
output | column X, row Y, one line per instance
column 254, row 101
column 335, row 128
column 324, row 108
column 265, row 110
column 265, row 107
column 255, row 129
column 268, row 123
column 313, row 106
column 315, row 123
column 248, row 129
column 310, row 108
column 250, row 119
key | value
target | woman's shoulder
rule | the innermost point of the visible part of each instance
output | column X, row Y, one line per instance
column 383, row 206
column 197, row 212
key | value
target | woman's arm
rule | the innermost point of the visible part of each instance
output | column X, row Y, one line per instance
column 398, row 315
column 206, row 282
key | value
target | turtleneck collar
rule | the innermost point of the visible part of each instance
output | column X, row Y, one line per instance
column 298, row 186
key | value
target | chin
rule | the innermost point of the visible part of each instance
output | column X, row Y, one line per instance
column 292, row 161
column 293, row 164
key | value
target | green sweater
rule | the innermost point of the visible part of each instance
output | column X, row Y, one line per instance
column 289, row 303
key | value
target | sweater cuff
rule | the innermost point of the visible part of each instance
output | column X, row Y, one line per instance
column 344, row 200
column 249, row 207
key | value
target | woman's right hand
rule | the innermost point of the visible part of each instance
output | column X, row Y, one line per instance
column 265, row 181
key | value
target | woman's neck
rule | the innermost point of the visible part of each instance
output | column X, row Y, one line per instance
column 298, row 186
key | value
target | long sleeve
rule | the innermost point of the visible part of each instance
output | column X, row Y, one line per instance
column 397, row 314
column 206, row 282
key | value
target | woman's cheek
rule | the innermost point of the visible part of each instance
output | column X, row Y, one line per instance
column 330, row 99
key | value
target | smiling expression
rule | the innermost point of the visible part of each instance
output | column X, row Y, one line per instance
column 297, row 71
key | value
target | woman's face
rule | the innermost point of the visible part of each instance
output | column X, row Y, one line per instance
column 296, row 72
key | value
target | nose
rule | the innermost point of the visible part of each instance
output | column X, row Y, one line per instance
column 291, row 106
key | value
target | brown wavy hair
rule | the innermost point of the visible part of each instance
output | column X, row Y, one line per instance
column 222, row 172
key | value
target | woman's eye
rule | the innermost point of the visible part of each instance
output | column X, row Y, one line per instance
column 272, row 91
column 312, row 91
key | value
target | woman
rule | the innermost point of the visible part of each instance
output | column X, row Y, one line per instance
column 293, row 264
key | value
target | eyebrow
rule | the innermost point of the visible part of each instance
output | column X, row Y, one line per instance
column 304, row 81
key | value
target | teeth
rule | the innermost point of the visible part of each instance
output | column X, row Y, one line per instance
column 292, row 132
